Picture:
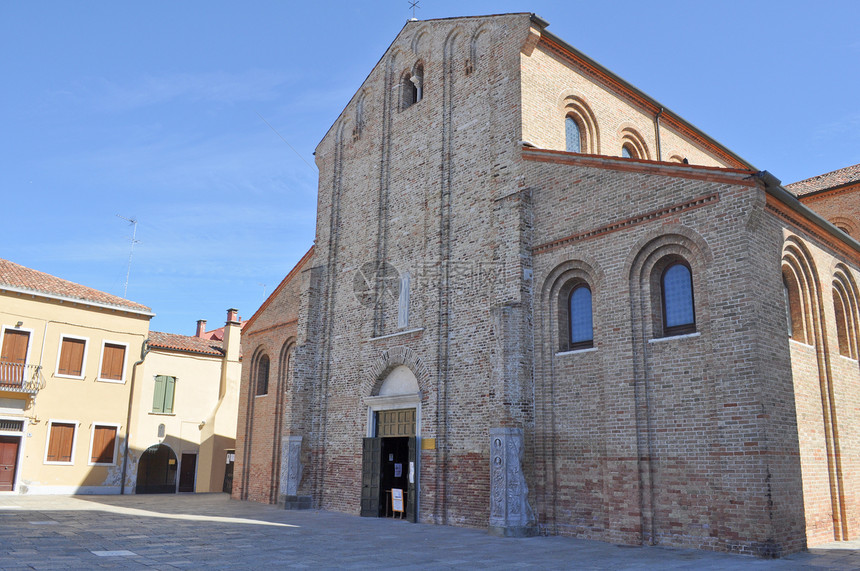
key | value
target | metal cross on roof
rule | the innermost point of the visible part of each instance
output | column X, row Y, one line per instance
column 414, row 5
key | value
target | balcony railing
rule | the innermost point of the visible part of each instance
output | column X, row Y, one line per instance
column 19, row 378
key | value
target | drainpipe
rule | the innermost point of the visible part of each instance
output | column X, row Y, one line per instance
column 657, row 131
column 143, row 352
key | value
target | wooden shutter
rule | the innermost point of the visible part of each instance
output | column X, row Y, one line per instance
column 113, row 359
column 60, row 442
column 13, row 356
column 104, row 439
column 72, row 357
column 162, row 397
column 169, row 387
column 158, row 395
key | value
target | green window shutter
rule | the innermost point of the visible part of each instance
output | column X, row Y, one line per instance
column 169, row 387
column 158, row 397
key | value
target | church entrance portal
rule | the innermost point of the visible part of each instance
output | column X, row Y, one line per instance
column 389, row 464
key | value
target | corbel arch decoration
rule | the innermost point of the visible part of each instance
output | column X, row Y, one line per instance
column 800, row 290
column 846, row 225
column 580, row 126
column 477, row 49
column 633, row 144
column 412, row 85
column 359, row 115
column 845, row 309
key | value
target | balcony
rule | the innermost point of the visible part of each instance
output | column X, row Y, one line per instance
column 18, row 378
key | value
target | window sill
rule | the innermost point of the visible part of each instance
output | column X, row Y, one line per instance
column 161, row 414
column 847, row 358
column 576, row 351
column 259, row 396
column 112, row 464
column 406, row 332
column 71, row 377
column 803, row 344
column 46, row 463
column 673, row 337
column 113, row 381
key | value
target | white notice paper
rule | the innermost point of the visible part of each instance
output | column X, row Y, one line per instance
column 412, row 472
column 396, row 500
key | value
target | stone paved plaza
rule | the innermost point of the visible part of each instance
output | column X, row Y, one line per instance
column 213, row 532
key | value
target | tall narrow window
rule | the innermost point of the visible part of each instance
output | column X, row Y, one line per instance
column 572, row 135
column 787, row 296
column 679, row 316
column 163, row 394
column 625, row 152
column 403, row 302
column 581, row 319
column 263, row 376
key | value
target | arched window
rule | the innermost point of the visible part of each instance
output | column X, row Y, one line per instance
column 786, row 293
column 627, row 153
column 580, row 318
column 679, row 316
column 263, row 375
column 572, row 135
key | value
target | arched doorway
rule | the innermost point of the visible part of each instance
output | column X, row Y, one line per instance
column 156, row 471
column 390, row 455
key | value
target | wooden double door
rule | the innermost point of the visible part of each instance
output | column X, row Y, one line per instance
column 390, row 462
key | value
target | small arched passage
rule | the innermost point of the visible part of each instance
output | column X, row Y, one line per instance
column 156, row 471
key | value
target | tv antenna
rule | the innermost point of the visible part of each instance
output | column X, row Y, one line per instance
column 414, row 5
column 133, row 222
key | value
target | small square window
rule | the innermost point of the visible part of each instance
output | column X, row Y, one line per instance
column 113, row 362
column 71, row 360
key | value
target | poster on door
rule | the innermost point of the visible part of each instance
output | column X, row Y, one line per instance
column 396, row 500
column 398, row 470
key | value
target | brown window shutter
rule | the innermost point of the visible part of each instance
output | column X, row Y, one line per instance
column 103, row 445
column 72, row 357
column 112, row 362
column 60, row 442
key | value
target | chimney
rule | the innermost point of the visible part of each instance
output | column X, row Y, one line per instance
column 201, row 327
column 232, row 331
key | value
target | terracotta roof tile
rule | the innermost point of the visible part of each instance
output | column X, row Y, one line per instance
column 824, row 181
column 186, row 343
column 22, row 278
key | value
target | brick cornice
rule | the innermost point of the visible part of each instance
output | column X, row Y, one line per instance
column 625, row 223
column 695, row 172
column 829, row 192
column 786, row 214
column 621, row 87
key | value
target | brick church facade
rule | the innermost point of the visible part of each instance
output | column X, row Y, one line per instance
column 540, row 302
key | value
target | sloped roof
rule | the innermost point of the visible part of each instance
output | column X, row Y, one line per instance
column 308, row 255
column 16, row 277
column 185, row 343
column 825, row 181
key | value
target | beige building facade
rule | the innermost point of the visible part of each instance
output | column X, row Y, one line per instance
column 68, row 355
column 184, row 421
column 92, row 402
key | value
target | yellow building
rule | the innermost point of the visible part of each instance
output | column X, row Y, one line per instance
column 78, row 367
column 186, row 404
column 67, row 360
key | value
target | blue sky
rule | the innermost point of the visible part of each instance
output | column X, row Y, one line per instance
column 151, row 110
